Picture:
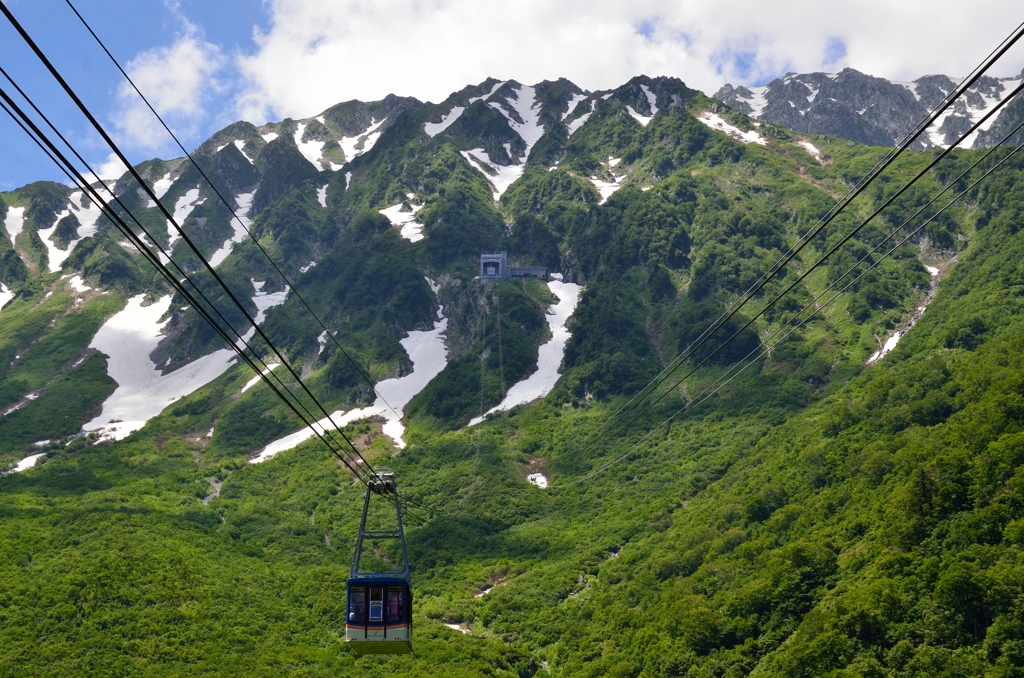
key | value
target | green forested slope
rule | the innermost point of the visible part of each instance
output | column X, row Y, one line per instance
column 817, row 517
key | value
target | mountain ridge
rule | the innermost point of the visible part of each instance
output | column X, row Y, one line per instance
column 849, row 506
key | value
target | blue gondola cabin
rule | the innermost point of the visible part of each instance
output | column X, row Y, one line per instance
column 379, row 616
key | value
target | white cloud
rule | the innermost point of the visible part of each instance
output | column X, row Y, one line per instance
column 177, row 80
column 320, row 52
column 109, row 171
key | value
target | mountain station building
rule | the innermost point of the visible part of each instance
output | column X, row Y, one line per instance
column 495, row 267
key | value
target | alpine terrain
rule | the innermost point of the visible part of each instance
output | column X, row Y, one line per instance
column 838, row 490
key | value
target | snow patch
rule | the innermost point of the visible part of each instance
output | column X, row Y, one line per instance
column 311, row 150
column 573, row 103
column 538, row 479
column 321, row 196
column 128, row 339
column 606, row 188
column 716, row 122
column 810, row 148
column 78, row 285
column 549, row 356
column 889, row 345
column 578, row 122
column 15, row 221
column 355, row 146
column 5, row 295
column 270, row 136
column 500, row 176
column 240, row 145
column 252, row 382
column 240, row 224
column 642, row 119
column 757, row 100
column 87, row 216
column 405, row 220
column 348, row 180
column 426, row 350
column 932, row 271
column 182, row 209
column 160, row 188
column 308, row 266
column 434, row 128
column 28, row 462
column 652, row 100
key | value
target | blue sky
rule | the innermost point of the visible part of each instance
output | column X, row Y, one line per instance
column 206, row 64
column 129, row 28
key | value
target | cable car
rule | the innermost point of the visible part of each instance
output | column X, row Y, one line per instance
column 379, row 604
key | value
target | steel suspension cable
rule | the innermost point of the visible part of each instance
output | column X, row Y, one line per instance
column 806, row 273
column 879, row 167
column 231, row 209
column 765, row 349
column 76, row 178
column 163, row 253
column 149, row 191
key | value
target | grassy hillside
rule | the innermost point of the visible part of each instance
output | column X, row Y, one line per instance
column 818, row 517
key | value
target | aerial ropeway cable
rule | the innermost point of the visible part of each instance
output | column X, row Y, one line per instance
column 172, row 221
column 386, row 600
column 231, row 209
column 239, row 344
column 764, row 348
column 876, row 171
column 637, row 400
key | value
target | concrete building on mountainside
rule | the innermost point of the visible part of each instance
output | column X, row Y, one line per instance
column 495, row 267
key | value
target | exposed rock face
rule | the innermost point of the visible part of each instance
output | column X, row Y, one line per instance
column 871, row 110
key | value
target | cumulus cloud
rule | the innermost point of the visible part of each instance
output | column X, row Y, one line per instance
column 319, row 52
column 110, row 170
column 178, row 80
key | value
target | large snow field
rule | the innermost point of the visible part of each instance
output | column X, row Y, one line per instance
column 239, row 224
column 410, row 228
column 525, row 105
column 716, row 122
column 127, row 339
column 87, row 215
column 550, row 354
column 355, row 146
column 15, row 221
column 426, row 350
column 142, row 392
